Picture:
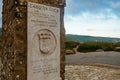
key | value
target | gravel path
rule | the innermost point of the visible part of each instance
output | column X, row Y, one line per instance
column 112, row 58
column 85, row 72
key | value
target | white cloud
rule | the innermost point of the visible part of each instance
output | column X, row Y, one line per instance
column 69, row 5
column 0, row 13
column 93, row 24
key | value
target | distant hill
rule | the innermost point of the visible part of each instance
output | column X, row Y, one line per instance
column 82, row 38
column 0, row 31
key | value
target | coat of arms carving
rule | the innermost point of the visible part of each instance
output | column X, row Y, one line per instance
column 46, row 41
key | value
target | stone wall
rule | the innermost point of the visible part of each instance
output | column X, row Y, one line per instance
column 14, row 44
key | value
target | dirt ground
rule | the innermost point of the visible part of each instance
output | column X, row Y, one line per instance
column 111, row 58
column 91, row 72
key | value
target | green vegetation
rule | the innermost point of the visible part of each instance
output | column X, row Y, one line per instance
column 93, row 46
column 71, row 44
column 90, row 44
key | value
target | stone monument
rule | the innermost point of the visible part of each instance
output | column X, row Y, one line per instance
column 33, row 40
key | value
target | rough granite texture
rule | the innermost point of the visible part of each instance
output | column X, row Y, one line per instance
column 14, row 44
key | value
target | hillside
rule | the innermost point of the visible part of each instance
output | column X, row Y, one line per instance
column 82, row 38
column 0, row 31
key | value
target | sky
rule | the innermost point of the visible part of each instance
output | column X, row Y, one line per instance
column 91, row 17
column 0, row 13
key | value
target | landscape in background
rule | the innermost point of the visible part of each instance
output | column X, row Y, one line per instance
column 82, row 43
column 85, row 38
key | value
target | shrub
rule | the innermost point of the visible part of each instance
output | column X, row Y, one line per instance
column 92, row 46
column 71, row 44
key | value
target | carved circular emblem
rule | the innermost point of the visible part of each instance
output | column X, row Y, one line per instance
column 44, row 41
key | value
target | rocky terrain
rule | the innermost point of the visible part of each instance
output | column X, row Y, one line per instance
column 91, row 72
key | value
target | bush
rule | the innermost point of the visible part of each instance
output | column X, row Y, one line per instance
column 70, row 44
column 92, row 46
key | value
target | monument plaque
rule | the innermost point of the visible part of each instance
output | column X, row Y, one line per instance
column 43, row 37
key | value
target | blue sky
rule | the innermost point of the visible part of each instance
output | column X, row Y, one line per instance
column 91, row 17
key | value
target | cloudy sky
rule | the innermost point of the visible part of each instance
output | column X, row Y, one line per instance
column 91, row 17
column 0, row 13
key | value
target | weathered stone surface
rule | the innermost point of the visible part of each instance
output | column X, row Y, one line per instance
column 14, row 45
column 43, row 42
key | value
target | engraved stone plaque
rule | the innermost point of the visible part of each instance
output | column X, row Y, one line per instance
column 43, row 37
